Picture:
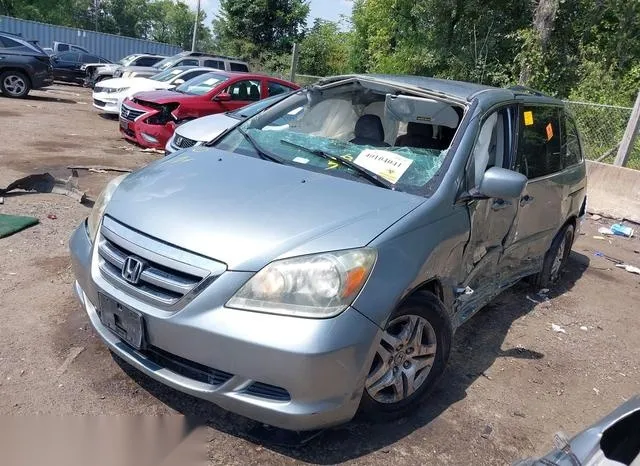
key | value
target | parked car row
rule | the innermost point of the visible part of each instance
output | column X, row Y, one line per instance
column 151, row 108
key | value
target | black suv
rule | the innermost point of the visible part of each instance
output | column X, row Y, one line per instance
column 23, row 66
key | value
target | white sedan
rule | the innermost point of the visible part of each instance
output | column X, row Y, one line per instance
column 109, row 94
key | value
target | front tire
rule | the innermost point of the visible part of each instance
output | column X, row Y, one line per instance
column 14, row 84
column 556, row 258
column 409, row 360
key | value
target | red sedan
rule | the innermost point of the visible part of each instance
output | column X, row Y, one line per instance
column 150, row 118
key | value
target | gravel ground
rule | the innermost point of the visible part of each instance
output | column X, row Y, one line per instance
column 512, row 381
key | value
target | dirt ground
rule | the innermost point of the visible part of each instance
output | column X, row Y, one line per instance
column 512, row 382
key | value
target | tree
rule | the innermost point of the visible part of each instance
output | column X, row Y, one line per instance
column 325, row 49
column 249, row 27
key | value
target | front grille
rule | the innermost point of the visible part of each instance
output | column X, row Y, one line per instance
column 166, row 274
column 186, row 368
column 129, row 113
column 271, row 392
column 99, row 103
column 180, row 142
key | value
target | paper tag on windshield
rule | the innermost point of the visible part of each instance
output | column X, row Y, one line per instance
column 383, row 163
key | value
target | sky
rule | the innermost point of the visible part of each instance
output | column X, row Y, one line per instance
column 325, row 9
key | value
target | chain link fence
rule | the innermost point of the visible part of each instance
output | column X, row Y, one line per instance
column 602, row 128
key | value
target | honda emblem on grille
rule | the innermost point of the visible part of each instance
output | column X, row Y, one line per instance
column 125, row 112
column 178, row 140
column 132, row 269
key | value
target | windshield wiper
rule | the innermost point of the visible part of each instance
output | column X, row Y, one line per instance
column 263, row 155
column 363, row 172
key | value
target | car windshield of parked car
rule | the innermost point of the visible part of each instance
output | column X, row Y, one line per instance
column 201, row 84
column 167, row 62
column 354, row 130
column 167, row 75
column 126, row 61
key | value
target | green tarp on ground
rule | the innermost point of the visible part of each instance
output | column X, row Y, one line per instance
column 10, row 224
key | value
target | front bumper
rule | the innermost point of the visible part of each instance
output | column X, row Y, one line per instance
column 321, row 363
column 107, row 103
column 146, row 135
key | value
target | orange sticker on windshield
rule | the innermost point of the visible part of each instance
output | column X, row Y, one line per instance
column 528, row 118
column 549, row 129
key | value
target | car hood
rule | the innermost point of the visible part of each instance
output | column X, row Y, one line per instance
column 138, row 83
column 247, row 212
column 161, row 96
column 206, row 128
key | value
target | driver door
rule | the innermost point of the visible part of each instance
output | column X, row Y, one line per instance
column 491, row 219
column 242, row 93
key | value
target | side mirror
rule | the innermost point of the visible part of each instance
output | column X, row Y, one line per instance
column 177, row 82
column 501, row 183
column 223, row 97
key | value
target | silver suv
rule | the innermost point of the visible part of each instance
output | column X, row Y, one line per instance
column 299, row 273
column 218, row 62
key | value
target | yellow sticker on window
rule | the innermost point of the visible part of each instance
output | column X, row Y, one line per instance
column 528, row 118
column 549, row 129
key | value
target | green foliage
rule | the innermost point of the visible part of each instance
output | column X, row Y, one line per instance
column 169, row 21
column 251, row 27
column 325, row 50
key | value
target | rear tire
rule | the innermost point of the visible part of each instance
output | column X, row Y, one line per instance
column 410, row 358
column 14, row 84
column 555, row 260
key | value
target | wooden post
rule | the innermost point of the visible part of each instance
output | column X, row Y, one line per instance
column 629, row 138
column 294, row 62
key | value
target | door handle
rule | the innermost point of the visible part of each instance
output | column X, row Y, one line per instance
column 500, row 204
column 526, row 199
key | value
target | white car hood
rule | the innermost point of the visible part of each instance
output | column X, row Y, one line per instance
column 206, row 128
column 140, row 84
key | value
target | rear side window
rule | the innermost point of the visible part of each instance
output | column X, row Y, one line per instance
column 146, row 61
column 63, row 47
column 539, row 148
column 71, row 56
column 233, row 66
column 217, row 64
column 275, row 88
column 571, row 149
column 188, row 62
column 9, row 43
column 84, row 58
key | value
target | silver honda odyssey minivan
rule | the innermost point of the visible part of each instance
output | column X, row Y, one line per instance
column 299, row 271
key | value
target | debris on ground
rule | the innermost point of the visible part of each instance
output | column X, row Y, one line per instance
column 596, row 390
column 150, row 149
column 599, row 237
column 532, row 300
column 596, row 217
column 609, row 258
column 99, row 168
column 52, row 216
column 584, row 328
column 486, row 432
column 73, row 354
column 46, row 183
column 606, row 231
column 622, row 230
column 1, row 200
column 629, row 268
column 558, row 329
column 10, row 224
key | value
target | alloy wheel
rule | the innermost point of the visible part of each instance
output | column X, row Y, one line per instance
column 403, row 359
column 558, row 259
column 14, row 85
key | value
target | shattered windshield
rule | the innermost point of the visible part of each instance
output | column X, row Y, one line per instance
column 351, row 131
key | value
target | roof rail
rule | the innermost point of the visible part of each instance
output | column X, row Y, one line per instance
column 527, row 90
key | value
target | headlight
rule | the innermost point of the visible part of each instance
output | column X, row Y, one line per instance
column 319, row 286
column 126, row 74
column 101, row 203
column 121, row 89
